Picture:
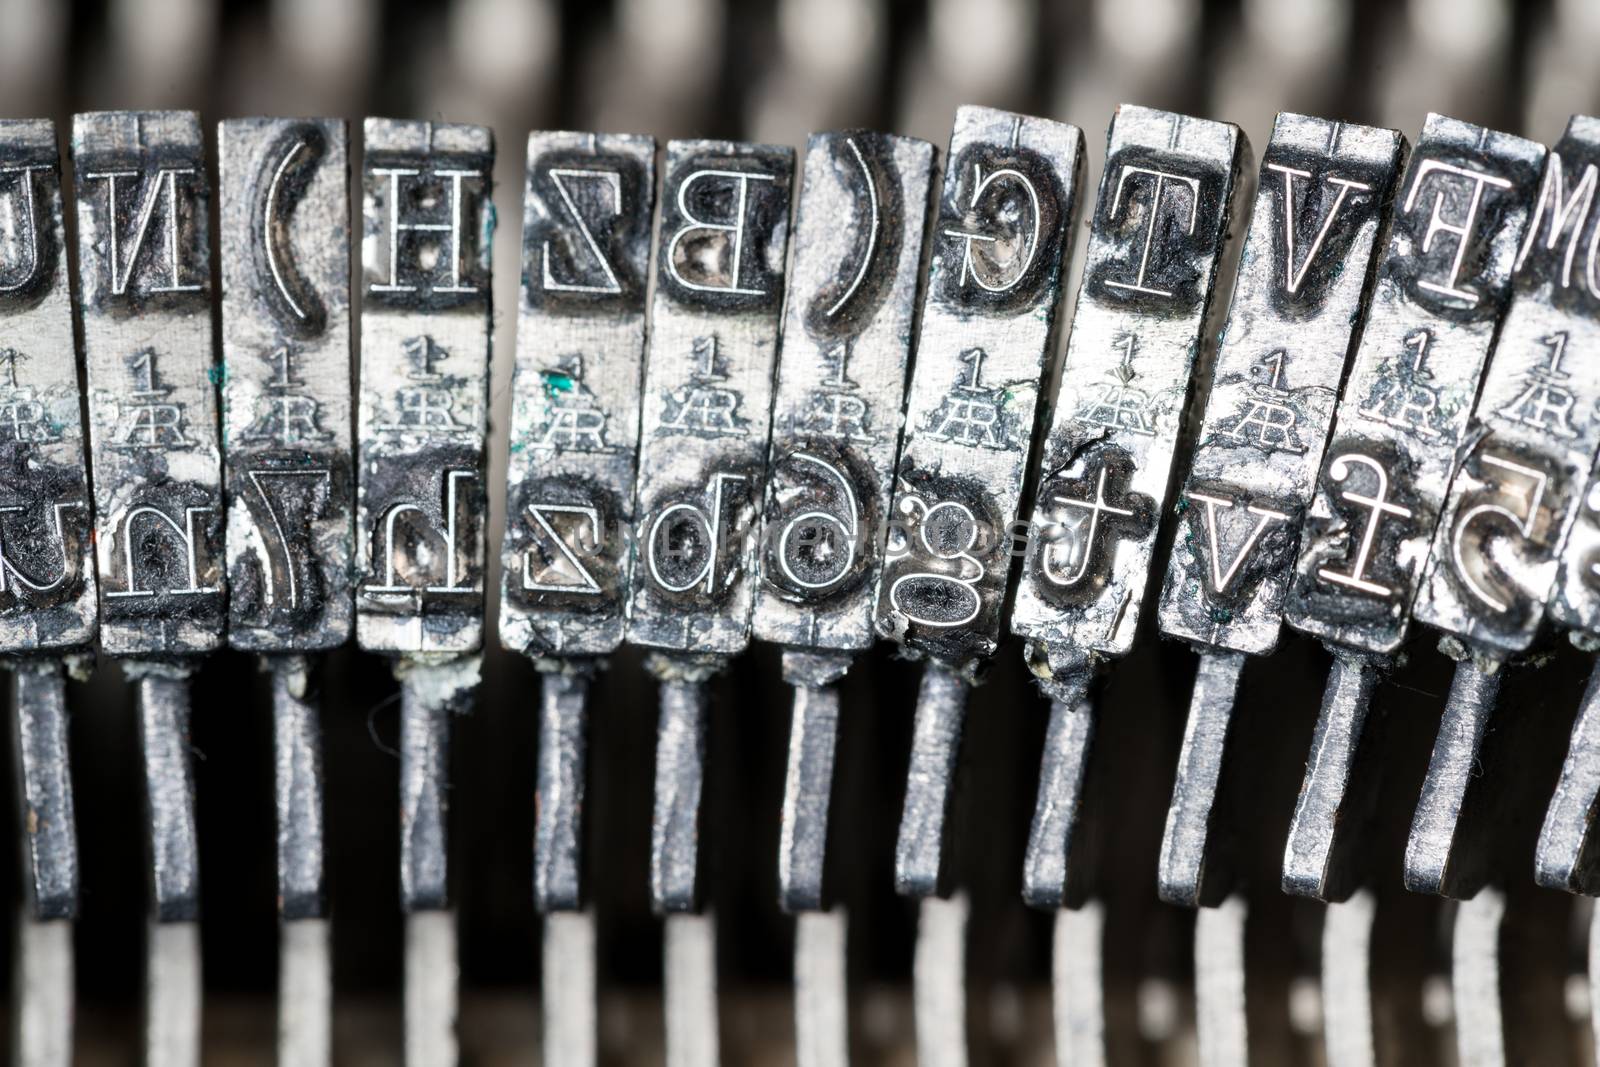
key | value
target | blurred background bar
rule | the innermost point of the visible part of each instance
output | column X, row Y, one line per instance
column 773, row 71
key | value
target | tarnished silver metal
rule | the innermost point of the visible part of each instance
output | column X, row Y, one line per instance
column 145, row 303
column 1496, row 552
column 1141, row 335
column 708, row 394
column 1326, row 187
column 1443, row 283
column 44, row 788
column 680, row 777
column 1191, row 871
column 588, row 204
column 290, row 481
column 297, row 775
column 1320, row 857
column 941, row 715
column 421, row 509
column 1534, row 432
column 706, row 419
column 425, row 314
column 1304, row 273
column 1565, row 222
column 560, row 785
column 285, row 217
column 588, row 201
column 858, row 257
column 1567, row 856
column 1000, row 254
column 808, row 780
column 702, row 454
column 853, row 288
column 1053, row 849
column 1443, row 854
column 47, row 587
column 48, row 600
column 989, row 317
column 144, row 268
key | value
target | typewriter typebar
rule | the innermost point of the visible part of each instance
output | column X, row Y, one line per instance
column 1325, row 190
column 47, row 585
column 988, row 325
column 708, row 394
column 864, row 204
column 1136, row 341
column 575, row 409
column 287, row 392
column 1320, row 210
column 1446, row 278
column 145, row 280
column 1535, row 432
column 423, row 415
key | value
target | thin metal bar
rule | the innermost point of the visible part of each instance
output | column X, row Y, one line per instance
column 1219, row 980
column 163, row 697
column 432, row 992
column 558, row 819
column 1475, row 980
column 305, row 998
column 807, row 789
column 1078, row 986
column 680, row 777
column 1188, row 863
column 1440, row 857
column 424, row 793
column 939, row 977
column 690, row 982
column 1594, row 975
column 568, row 989
column 1566, row 858
column 1068, row 741
column 41, row 1035
column 821, row 1005
column 297, row 748
column 305, row 994
column 1348, row 1039
column 44, row 779
column 1320, row 858
column 919, row 857
column 172, row 994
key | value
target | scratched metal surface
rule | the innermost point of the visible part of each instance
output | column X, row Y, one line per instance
column 775, row 71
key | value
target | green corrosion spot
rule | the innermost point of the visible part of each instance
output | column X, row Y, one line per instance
column 1221, row 616
column 218, row 373
column 556, row 382
column 1181, row 506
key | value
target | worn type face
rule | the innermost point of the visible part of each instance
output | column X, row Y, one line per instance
column 145, row 285
column 708, row 393
column 1458, row 221
column 421, row 508
column 575, row 392
column 285, row 210
column 988, row 330
column 1520, row 496
column 1326, row 188
column 47, row 586
column 1155, row 246
column 847, row 334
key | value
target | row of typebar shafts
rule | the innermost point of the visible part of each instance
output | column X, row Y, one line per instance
column 715, row 436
